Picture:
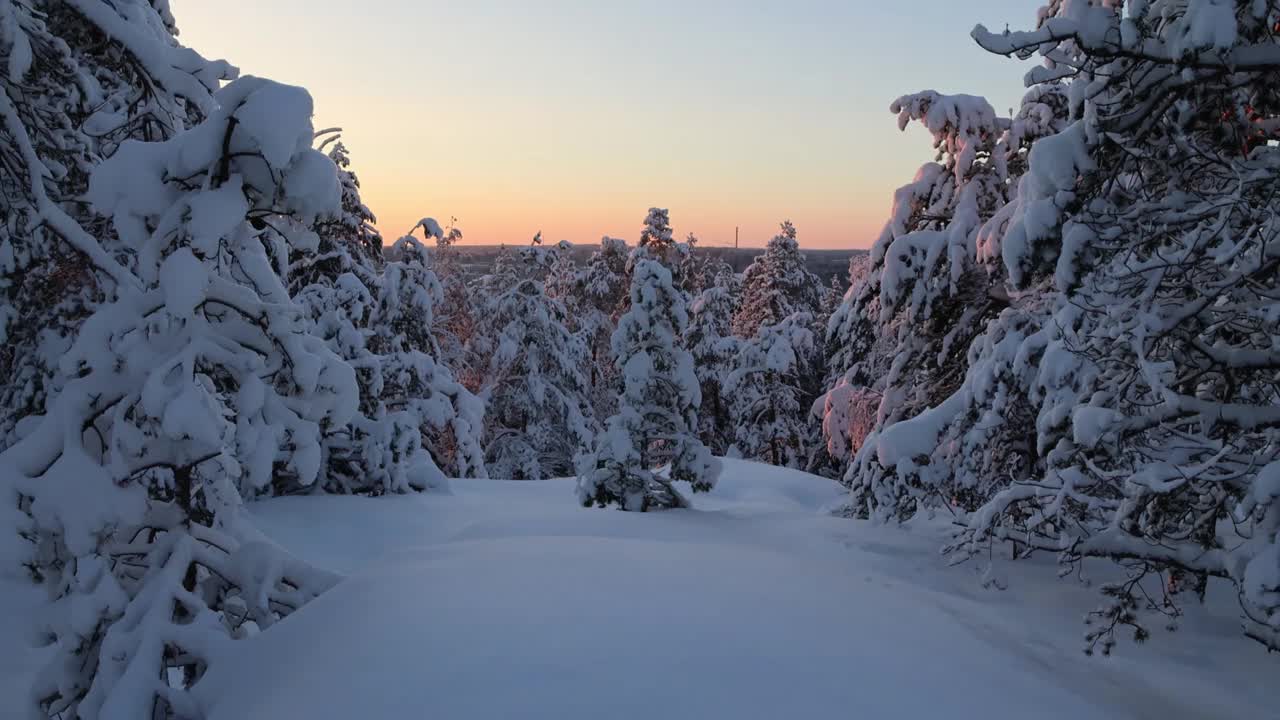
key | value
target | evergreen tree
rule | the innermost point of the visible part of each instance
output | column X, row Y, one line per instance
column 900, row 337
column 656, row 422
column 1114, row 400
column 828, row 303
column 770, row 392
column 600, row 299
column 563, row 283
column 657, row 238
column 195, row 385
column 71, row 95
column 1145, row 232
column 714, row 348
column 695, row 271
column 821, row 461
column 604, row 279
column 343, row 282
column 776, row 285
column 333, row 279
column 448, row 416
column 657, row 242
column 454, row 322
column 351, row 232
column 538, row 414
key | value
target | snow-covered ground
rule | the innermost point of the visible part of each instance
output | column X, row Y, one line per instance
column 507, row 600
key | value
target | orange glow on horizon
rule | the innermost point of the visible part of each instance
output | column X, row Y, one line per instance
column 485, row 225
column 574, row 120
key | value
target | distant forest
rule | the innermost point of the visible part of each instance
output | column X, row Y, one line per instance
column 826, row 264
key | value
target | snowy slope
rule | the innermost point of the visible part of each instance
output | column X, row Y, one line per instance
column 505, row 600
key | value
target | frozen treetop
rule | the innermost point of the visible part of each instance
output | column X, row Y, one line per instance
column 656, row 238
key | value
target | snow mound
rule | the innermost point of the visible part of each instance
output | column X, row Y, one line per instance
column 755, row 484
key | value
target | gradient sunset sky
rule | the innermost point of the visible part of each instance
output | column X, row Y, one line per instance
column 573, row 117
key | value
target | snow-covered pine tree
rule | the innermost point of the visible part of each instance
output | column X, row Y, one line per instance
column 776, row 285
column 1121, row 407
column 1148, row 232
column 340, row 283
column 828, row 303
column 710, row 341
column 195, row 385
column 334, row 279
column 563, row 283
column 821, row 461
column 604, row 279
column 656, row 423
column 503, row 276
column 696, row 271
column 538, row 416
column 454, row 321
column 601, row 298
column 848, row 412
column 80, row 78
column 658, row 242
column 448, row 416
column 899, row 338
column 657, row 238
column 771, row 391
column 349, row 242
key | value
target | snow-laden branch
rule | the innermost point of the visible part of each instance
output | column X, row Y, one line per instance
column 180, row 70
column 48, row 212
column 1103, row 39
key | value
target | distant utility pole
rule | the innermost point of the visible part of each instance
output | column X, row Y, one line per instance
column 735, row 237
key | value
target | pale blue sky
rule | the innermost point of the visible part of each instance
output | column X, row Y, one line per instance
column 573, row 117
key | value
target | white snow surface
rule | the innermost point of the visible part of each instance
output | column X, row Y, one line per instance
column 506, row 599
